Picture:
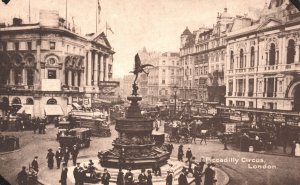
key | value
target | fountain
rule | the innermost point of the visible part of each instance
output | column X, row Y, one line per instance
column 134, row 147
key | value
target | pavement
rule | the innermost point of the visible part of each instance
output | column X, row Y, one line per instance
column 244, row 171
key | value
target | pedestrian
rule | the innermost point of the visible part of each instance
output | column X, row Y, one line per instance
column 209, row 175
column 293, row 148
column 74, row 153
column 182, row 180
column 200, row 165
column 142, row 178
column 66, row 155
column 188, row 154
column 22, row 177
column 105, row 177
column 180, row 153
column 169, row 179
column 203, row 136
column 34, row 125
column 35, row 164
column 58, row 155
column 50, row 157
column 77, row 172
column 43, row 121
column 129, row 177
column 149, row 178
column 198, row 177
column 120, row 177
column 64, row 173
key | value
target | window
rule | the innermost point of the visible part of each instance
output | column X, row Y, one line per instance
column 30, row 76
column 163, row 62
column 172, row 71
column 67, row 48
column 73, row 78
column 17, row 46
column 52, row 45
column 29, row 46
column 173, row 63
column 251, row 87
column 51, row 74
column 163, row 81
column 240, row 103
column 66, row 77
column 250, row 104
column 272, row 53
column 252, row 57
column 18, row 76
column 290, row 57
column 241, row 58
column 163, row 70
column 231, row 60
column 4, row 46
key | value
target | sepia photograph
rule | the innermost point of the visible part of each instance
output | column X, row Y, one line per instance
column 141, row 92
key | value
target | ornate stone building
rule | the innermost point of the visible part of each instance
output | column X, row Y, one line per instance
column 45, row 67
column 262, row 64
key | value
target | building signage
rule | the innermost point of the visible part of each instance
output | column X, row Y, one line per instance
column 109, row 83
column 230, row 127
column 51, row 85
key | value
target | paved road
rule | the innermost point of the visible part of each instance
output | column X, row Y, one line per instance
column 241, row 172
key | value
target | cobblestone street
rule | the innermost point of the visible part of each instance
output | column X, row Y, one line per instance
column 241, row 172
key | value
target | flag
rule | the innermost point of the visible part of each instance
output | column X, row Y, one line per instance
column 109, row 28
column 98, row 16
column 99, row 8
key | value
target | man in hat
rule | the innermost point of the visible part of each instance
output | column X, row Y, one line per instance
column 189, row 154
column 91, row 168
column 142, row 178
column 182, row 180
column 35, row 164
column 209, row 175
column 58, row 155
column 22, row 177
column 120, row 178
column 180, row 153
column 74, row 153
column 129, row 177
column 64, row 173
column 197, row 175
column 169, row 179
column 77, row 172
column 66, row 155
column 105, row 177
column 50, row 157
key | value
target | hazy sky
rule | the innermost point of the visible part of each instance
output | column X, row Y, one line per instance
column 154, row 24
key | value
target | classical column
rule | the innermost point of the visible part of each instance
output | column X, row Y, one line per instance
column 275, row 87
column 11, row 78
column 101, row 67
column 75, row 78
column 89, row 69
column 106, row 69
column 70, row 78
column 24, row 76
column 297, row 54
column 96, row 70
column 234, row 86
column 254, row 86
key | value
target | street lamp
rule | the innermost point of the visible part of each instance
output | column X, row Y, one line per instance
column 175, row 91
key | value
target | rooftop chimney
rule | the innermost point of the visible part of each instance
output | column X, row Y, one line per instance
column 225, row 9
column 17, row 21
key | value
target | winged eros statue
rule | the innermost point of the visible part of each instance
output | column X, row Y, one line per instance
column 139, row 68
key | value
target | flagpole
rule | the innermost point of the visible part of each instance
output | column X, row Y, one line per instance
column 29, row 11
column 67, row 14
column 97, row 15
column 106, row 29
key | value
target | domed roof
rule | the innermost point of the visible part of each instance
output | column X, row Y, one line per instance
column 225, row 14
column 186, row 31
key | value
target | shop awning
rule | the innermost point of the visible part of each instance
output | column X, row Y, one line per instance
column 53, row 110
column 76, row 106
column 27, row 109
column 101, row 101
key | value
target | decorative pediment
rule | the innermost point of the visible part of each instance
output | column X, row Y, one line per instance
column 101, row 39
column 269, row 23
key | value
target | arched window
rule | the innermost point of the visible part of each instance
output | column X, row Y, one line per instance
column 29, row 101
column 231, row 60
column 290, row 57
column 30, row 76
column 241, row 58
column 252, row 58
column 52, row 101
column 16, row 101
column 18, row 76
column 4, row 67
column 79, row 78
column 272, row 54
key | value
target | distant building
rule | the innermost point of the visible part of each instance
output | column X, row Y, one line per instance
column 46, row 67
column 126, row 87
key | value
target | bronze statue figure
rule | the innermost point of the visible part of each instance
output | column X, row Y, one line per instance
column 138, row 68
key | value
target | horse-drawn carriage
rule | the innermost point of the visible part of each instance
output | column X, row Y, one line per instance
column 177, row 132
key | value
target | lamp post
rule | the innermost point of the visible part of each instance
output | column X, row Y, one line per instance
column 175, row 96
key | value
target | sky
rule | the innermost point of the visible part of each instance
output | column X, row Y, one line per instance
column 154, row 24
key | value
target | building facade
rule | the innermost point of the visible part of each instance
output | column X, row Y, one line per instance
column 262, row 63
column 47, row 63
